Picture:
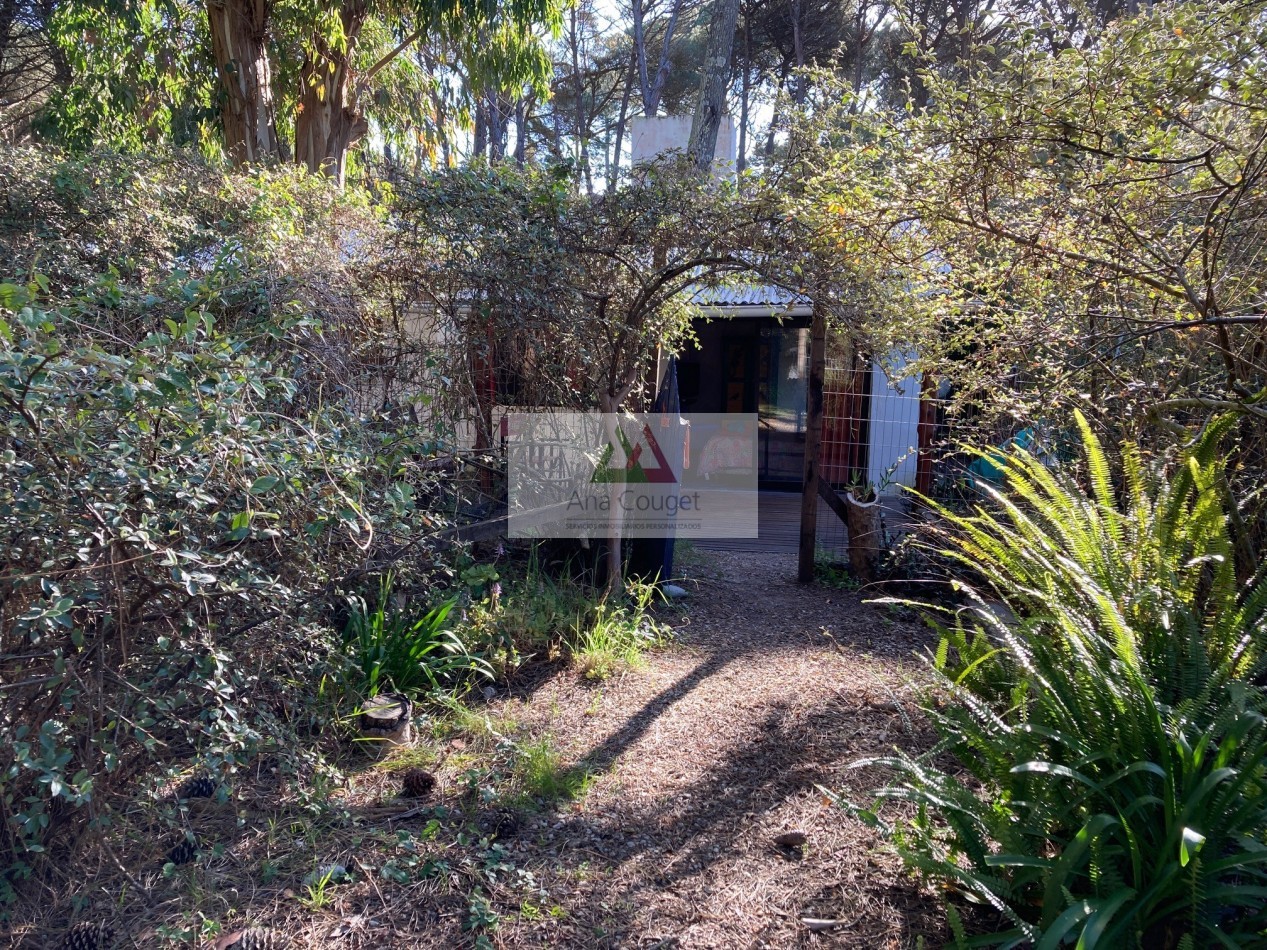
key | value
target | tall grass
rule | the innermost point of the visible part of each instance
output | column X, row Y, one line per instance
column 409, row 653
column 1114, row 722
column 614, row 636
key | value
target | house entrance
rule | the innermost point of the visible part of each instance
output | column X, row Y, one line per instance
column 764, row 371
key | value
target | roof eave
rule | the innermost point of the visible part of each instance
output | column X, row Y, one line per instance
column 713, row 312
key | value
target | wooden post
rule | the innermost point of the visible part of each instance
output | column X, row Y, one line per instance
column 813, row 439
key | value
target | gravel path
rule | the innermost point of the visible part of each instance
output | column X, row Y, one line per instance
column 715, row 747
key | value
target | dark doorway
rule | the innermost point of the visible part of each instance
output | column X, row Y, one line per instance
column 757, row 365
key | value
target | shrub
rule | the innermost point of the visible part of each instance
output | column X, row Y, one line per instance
column 188, row 471
column 1114, row 725
column 405, row 652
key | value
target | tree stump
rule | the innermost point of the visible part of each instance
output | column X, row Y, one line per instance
column 866, row 537
column 386, row 722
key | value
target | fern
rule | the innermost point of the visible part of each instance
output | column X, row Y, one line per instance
column 1116, row 725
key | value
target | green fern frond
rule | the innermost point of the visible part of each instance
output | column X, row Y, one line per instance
column 1114, row 718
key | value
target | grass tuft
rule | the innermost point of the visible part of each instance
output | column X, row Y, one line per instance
column 543, row 777
column 615, row 637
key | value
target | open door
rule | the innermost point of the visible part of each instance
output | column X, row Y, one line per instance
column 783, row 368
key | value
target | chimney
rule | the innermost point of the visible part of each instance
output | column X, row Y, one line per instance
column 653, row 136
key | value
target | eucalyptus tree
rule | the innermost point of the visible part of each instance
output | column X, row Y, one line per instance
column 303, row 80
column 127, row 73
column 334, row 54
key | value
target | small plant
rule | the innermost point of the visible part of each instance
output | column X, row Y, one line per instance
column 404, row 653
column 319, row 885
column 480, row 578
column 481, row 915
column 523, row 616
column 614, row 637
column 543, row 777
column 831, row 573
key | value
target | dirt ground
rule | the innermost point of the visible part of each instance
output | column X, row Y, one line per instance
column 693, row 762
column 722, row 743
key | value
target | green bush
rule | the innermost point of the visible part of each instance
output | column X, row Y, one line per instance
column 1113, row 723
column 520, row 612
column 189, row 468
column 527, row 613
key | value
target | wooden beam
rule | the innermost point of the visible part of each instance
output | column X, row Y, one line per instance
column 813, row 441
column 834, row 501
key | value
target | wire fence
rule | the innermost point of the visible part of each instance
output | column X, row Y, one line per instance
column 888, row 439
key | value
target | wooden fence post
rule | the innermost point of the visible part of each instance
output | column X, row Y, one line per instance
column 813, row 440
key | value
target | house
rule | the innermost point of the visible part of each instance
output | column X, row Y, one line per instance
column 751, row 354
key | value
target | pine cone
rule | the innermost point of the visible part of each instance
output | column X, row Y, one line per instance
column 255, row 938
column 417, row 782
column 504, row 823
column 183, row 852
column 200, row 786
column 88, row 936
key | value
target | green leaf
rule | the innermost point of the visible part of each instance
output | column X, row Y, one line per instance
column 264, row 484
column 13, row 296
column 1190, row 842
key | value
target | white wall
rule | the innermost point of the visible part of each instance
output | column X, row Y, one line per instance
column 894, row 426
column 652, row 136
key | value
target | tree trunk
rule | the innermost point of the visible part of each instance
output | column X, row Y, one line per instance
column 798, row 54
column 386, row 723
column 813, row 444
column 860, row 56
column 652, row 87
column 498, row 122
column 713, row 82
column 745, row 95
column 640, row 56
column 522, row 108
column 479, row 136
column 425, row 151
column 609, row 405
column 774, row 118
column 556, row 133
column 329, row 120
column 866, row 545
column 239, row 31
column 581, row 129
column 613, row 168
column 662, row 71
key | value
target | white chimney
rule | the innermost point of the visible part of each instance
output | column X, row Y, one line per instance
column 653, row 136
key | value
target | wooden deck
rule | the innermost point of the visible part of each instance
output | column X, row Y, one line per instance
column 779, row 527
